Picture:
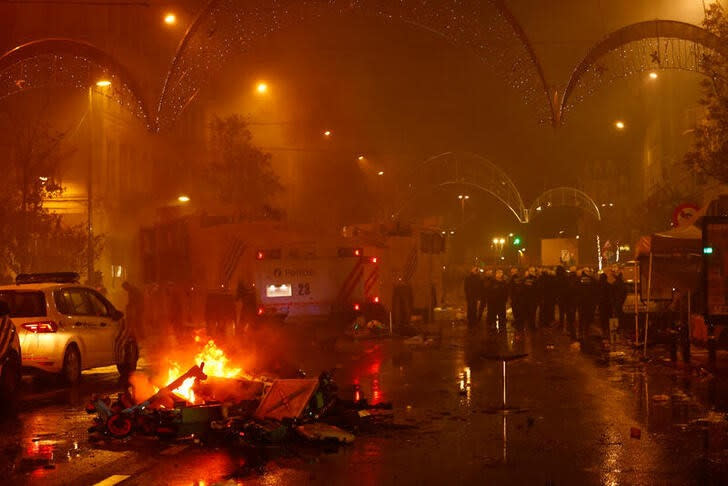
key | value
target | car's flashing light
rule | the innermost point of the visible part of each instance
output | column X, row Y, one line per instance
column 261, row 311
column 44, row 327
column 373, row 260
column 357, row 307
column 376, row 300
column 260, row 255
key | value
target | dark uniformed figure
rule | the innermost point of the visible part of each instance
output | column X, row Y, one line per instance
column 497, row 298
column 570, row 300
column 530, row 298
column 487, row 283
column 548, row 297
column 605, row 303
column 473, row 291
column 560, row 292
column 515, row 290
column 587, row 302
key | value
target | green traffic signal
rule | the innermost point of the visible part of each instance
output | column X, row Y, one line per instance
column 517, row 241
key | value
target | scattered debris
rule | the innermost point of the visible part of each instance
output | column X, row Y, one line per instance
column 240, row 412
column 660, row 398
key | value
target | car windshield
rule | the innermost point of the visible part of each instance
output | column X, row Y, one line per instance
column 24, row 303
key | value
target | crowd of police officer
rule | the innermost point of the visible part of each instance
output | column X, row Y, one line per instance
column 572, row 298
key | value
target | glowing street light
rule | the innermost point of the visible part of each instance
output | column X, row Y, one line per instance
column 183, row 199
column 103, row 83
column 495, row 241
column 619, row 124
column 380, row 173
column 653, row 75
column 262, row 88
column 170, row 19
column 327, row 133
column 360, row 158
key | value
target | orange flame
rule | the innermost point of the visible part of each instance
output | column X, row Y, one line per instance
column 216, row 364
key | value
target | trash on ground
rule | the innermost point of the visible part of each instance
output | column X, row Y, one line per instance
column 237, row 411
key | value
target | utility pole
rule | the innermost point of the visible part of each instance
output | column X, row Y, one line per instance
column 89, row 190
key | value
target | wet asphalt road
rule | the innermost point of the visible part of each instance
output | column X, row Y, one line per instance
column 576, row 414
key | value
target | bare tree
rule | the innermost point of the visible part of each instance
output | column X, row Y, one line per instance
column 34, row 239
column 709, row 154
column 239, row 173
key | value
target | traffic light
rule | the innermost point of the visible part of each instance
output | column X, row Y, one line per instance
column 517, row 241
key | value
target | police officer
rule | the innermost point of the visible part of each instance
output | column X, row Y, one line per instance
column 484, row 292
column 548, row 296
column 530, row 298
column 515, row 290
column 497, row 298
column 570, row 300
column 473, row 291
column 587, row 302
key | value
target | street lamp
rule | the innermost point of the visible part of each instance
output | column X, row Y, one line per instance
column 360, row 158
column 262, row 88
column 183, row 199
column 170, row 19
column 619, row 124
column 653, row 75
column 380, row 173
column 463, row 198
column 327, row 133
column 101, row 83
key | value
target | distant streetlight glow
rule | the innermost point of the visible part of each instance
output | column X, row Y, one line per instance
column 103, row 83
column 381, row 173
column 170, row 19
column 183, row 199
column 619, row 124
column 262, row 88
column 653, row 75
column 327, row 133
column 360, row 158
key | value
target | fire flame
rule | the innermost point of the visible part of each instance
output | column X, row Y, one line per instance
column 216, row 364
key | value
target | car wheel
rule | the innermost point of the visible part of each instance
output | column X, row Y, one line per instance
column 71, row 371
column 129, row 358
column 10, row 378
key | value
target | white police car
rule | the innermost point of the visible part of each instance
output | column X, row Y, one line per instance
column 10, row 360
column 65, row 327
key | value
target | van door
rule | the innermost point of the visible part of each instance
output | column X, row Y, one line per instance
column 86, row 325
column 108, row 328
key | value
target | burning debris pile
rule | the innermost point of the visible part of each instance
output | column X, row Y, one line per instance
column 214, row 400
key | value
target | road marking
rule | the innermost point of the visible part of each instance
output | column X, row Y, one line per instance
column 174, row 450
column 112, row 480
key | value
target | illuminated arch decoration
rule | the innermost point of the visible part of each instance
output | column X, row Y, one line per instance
column 564, row 197
column 69, row 63
column 645, row 46
column 466, row 170
column 226, row 27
